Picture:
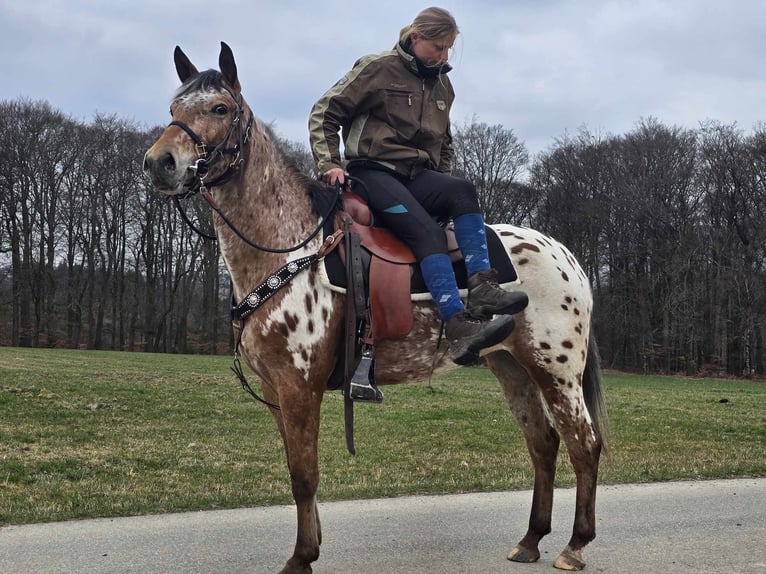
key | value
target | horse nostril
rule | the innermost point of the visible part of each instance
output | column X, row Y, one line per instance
column 163, row 163
column 168, row 162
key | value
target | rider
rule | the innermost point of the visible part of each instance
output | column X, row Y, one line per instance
column 393, row 110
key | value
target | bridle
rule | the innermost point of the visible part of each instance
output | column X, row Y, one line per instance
column 209, row 155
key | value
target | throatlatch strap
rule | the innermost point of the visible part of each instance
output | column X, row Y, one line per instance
column 273, row 283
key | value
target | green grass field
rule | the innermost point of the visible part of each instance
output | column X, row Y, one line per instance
column 95, row 434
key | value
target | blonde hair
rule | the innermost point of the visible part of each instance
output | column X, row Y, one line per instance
column 431, row 24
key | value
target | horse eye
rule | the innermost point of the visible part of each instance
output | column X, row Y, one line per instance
column 220, row 110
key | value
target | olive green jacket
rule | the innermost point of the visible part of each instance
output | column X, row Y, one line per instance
column 389, row 113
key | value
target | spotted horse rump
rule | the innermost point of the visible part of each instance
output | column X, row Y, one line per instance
column 548, row 367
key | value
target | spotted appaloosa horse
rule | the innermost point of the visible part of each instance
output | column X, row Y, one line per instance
column 548, row 367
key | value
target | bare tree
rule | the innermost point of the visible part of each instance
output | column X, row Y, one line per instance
column 493, row 159
column 575, row 182
column 734, row 200
column 38, row 154
column 654, row 242
column 668, row 223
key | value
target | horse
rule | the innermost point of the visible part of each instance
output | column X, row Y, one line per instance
column 548, row 367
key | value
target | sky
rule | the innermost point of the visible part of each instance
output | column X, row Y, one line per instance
column 545, row 69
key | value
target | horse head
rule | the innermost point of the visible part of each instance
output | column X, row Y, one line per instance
column 204, row 143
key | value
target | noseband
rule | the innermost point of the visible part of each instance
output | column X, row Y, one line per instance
column 209, row 155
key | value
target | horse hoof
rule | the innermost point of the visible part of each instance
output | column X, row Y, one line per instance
column 521, row 554
column 570, row 560
column 293, row 568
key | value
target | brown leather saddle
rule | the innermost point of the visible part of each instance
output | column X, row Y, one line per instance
column 390, row 273
column 391, row 276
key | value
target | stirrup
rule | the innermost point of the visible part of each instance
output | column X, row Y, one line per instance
column 362, row 387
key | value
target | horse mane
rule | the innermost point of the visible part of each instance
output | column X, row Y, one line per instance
column 321, row 194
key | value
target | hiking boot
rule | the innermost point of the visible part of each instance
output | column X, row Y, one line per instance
column 487, row 298
column 467, row 335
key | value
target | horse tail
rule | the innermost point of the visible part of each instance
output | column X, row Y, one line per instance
column 593, row 390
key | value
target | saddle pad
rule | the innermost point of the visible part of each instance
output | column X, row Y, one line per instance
column 333, row 274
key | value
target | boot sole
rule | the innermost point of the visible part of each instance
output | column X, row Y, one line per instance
column 488, row 310
column 468, row 350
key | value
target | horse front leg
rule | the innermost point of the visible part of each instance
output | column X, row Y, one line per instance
column 526, row 403
column 298, row 423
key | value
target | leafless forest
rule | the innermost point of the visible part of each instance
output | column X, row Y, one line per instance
column 669, row 223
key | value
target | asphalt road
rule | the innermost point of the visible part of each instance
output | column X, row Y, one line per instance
column 668, row 528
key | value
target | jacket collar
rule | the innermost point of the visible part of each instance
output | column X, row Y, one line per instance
column 416, row 66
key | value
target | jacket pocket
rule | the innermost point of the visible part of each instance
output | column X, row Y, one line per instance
column 402, row 111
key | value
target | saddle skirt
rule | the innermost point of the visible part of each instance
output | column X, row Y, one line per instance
column 392, row 277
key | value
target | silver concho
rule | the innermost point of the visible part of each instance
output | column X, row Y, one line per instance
column 292, row 267
column 253, row 299
column 273, row 282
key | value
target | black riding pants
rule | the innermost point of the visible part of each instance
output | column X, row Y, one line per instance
column 408, row 206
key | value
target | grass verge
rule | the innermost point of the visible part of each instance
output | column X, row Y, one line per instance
column 92, row 434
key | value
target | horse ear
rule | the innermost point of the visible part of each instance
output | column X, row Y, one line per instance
column 228, row 67
column 184, row 67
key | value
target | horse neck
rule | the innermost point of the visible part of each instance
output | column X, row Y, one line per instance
column 269, row 205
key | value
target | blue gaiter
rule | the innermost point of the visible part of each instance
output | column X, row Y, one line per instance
column 440, row 280
column 470, row 236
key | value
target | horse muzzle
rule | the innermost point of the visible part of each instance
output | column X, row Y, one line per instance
column 168, row 174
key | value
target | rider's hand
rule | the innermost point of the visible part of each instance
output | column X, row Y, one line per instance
column 334, row 175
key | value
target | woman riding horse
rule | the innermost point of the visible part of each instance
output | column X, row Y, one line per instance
column 266, row 223
column 393, row 110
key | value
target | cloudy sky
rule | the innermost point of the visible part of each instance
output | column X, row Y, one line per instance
column 543, row 68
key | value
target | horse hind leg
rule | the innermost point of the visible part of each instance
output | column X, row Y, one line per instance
column 526, row 403
column 580, row 427
column 584, row 454
column 585, row 432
